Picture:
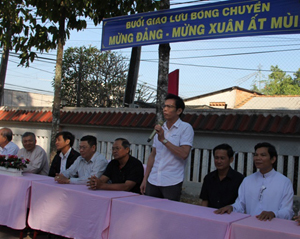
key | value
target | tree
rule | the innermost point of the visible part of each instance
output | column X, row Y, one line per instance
column 93, row 79
column 279, row 83
column 17, row 26
column 68, row 15
column 61, row 16
column 145, row 94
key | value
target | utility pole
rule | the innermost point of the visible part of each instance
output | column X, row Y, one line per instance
column 132, row 77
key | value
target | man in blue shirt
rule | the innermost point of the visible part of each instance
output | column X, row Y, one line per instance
column 89, row 163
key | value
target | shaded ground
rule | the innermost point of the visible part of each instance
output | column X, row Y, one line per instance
column 190, row 200
column 8, row 233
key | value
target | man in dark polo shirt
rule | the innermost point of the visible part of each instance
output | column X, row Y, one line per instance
column 220, row 187
column 123, row 173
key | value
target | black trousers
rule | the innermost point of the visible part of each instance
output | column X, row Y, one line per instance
column 172, row 192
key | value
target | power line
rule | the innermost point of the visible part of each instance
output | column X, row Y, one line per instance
column 233, row 54
column 33, row 67
column 226, row 48
column 217, row 67
column 29, row 88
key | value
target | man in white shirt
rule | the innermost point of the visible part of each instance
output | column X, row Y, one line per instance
column 38, row 158
column 89, row 163
column 6, row 146
column 265, row 194
column 172, row 144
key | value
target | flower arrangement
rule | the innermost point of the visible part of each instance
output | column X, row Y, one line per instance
column 13, row 161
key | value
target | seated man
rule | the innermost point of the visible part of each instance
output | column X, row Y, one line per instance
column 123, row 173
column 7, row 147
column 66, row 155
column 89, row 163
column 38, row 158
column 265, row 194
column 220, row 187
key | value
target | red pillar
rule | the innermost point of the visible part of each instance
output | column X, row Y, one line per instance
column 173, row 84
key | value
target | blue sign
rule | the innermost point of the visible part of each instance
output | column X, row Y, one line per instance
column 206, row 21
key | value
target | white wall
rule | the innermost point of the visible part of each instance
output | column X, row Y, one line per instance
column 20, row 98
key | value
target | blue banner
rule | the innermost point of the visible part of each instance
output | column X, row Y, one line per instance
column 205, row 21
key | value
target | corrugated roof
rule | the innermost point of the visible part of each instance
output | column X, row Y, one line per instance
column 273, row 103
column 227, row 121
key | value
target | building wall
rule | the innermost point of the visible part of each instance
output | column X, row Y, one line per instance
column 232, row 98
column 228, row 97
column 20, row 98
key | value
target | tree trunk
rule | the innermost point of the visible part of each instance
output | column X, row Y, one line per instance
column 3, row 66
column 57, row 89
column 162, row 82
column 3, row 69
column 79, row 81
column 163, row 71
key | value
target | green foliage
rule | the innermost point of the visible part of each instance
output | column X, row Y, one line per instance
column 14, row 23
column 96, row 79
column 279, row 83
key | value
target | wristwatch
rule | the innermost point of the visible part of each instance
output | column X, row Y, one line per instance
column 165, row 141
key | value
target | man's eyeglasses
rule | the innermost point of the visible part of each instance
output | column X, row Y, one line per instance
column 169, row 106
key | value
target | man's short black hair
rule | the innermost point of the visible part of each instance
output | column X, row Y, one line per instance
column 66, row 135
column 226, row 147
column 271, row 149
column 26, row 134
column 92, row 140
column 125, row 142
column 179, row 103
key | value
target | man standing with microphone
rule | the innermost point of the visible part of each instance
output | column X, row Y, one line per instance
column 171, row 146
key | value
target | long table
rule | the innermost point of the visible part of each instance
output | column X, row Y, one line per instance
column 251, row 227
column 77, row 212
column 136, row 217
column 14, row 198
column 71, row 210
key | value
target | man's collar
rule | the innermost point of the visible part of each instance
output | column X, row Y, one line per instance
column 176, row 124
column 92, row 158
column 268, row 174
column 66, row 154
column 228, row 175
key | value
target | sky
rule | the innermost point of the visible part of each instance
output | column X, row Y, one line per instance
column 204, row 66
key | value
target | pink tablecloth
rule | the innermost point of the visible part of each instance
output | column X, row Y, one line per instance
column 251, row 227
column 135, row 218
column 14, row 197
column 71, row 210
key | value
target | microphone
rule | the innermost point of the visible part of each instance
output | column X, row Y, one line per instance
column 154, row 132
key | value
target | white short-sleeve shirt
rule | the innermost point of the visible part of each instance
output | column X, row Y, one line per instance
column 168, row 169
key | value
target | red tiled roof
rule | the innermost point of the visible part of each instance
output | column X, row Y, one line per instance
column 238, row 121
